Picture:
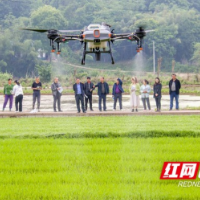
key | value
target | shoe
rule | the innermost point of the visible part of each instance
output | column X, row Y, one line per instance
column 33, row 111
column 78, row 112
column 132, row 110
column 60, row 111
column 100, row 110
column 170, row 109
column 104, row 110
column 55, row 110
column 136, row 110
column 84, row 112
column 10, row 110
column 91, row 109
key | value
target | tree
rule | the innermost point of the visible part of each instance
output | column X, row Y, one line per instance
column 196, row 56
column 44, row 71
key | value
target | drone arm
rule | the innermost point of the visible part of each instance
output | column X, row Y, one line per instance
column 128, row 36
column 131, row 37
column 72, row 37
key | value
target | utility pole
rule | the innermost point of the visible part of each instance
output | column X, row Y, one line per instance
column 159, row 66
column 154, row 58
column 173, row 65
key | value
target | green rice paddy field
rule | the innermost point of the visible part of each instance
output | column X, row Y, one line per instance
column 95, row 157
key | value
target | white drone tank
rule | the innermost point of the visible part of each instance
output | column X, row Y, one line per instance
column 90, row 29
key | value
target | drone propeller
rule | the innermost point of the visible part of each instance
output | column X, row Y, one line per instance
column 68, row 31
column 141, row 28
column 36, row 30
column 148, row 31
column 47, row 30
column 105, row 24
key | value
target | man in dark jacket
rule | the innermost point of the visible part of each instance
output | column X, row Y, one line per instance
column 78, row 88
column 117, row 93
column 103, row 90
column 174, row 87
column 56, row 92
column 88, row 86
column 36, row 87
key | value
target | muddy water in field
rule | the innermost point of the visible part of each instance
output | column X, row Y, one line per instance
column 68, row 102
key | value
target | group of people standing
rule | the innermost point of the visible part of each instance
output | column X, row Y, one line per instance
column 145, row 90
column 11, row 90
column 15, row 90
column 84, row 91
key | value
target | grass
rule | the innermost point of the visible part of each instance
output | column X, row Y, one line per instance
column 95, row 158
column 93, row 168
column 115, row 126
column 192, row 108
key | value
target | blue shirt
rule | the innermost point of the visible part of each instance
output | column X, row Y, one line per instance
column 79, row 88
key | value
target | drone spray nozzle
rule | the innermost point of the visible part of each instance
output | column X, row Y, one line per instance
column 138, row 49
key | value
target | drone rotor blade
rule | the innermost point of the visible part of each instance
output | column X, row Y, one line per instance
column 68, row 31
column 36, row 30
column 148, row 31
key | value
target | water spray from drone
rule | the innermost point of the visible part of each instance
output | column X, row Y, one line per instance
column 139, row 61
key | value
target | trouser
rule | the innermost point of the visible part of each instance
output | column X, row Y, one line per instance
column 10, row 98
column 146, row 101
column 56, row 98
column 36, row 96
column 172, row 96
column 118, row 96
column 18, row 100
column 79, row 98
column 90, row 101
column 102, row 96
column 158, row 103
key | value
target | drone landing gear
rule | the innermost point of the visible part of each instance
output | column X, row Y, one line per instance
column 58, row 47
column 139, row 46
column 84, row 53
column 54, row 48
column 111, row 55
column 97, row 53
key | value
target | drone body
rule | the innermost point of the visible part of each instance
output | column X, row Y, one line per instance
column 96, row 38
